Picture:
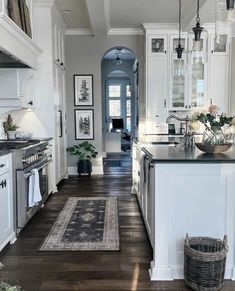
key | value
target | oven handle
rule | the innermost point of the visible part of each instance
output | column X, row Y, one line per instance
column 39, row 168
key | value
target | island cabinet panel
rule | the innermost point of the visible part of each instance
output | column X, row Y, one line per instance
column 6, row 201
column 194, row 198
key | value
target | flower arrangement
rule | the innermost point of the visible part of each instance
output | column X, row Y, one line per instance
column 216, row 126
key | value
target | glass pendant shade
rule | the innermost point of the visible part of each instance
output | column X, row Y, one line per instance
column 198, row 41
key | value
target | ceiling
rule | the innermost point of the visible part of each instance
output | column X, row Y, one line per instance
column 102, row 17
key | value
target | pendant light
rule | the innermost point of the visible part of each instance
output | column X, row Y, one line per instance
column 179, row 49
column 230, row 10
column 197, row 30
column 198, row 40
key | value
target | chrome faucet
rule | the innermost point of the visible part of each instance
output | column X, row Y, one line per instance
column 186, row 119
column 188, row 139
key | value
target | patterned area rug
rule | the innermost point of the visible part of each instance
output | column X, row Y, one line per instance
column 85, row 224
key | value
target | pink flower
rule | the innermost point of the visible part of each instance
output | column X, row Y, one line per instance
column 213, row 109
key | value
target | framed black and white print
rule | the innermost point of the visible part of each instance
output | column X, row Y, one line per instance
column 83, row 90
column 84, row 123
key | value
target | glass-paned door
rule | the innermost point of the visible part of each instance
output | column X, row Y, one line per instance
column 118, row 103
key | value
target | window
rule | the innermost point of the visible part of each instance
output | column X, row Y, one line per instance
column 114, row 108
column 118, row 102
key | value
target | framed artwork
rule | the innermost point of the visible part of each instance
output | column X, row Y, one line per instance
column 83, row 90
column 84, row 123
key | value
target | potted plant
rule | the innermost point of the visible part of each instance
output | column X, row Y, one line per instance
column 4, row 286
column 84, row 151
column 10, row 127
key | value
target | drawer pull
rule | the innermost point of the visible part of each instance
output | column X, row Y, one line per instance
column 3, row 183
column 2, row 165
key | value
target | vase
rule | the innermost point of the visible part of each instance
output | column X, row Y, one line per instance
column 11, row 134
column 220, row 136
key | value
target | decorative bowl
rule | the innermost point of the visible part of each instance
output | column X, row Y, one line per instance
column 213, row 148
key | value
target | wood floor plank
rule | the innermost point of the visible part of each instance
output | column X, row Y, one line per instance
column 124, row 270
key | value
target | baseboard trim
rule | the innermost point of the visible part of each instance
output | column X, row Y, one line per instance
column 96, row 170
column 177, row 273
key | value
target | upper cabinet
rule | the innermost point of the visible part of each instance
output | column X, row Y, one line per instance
column 157, row 45
column 198, row 79
column 178, row 97
column 16, row 32
column 58, row 43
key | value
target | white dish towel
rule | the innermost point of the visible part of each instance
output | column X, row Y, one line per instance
column 34, row 188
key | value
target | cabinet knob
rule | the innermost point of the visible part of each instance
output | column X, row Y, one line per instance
column 212, row 51
column 189, row 106
column 2, row 165
column 58, row 60
column 165, row 52
column 156, row 115
column 30, row 103
column 3, row 183
column 186, row 106
column 61, row 63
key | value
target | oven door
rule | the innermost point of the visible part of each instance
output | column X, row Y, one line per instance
column 24, row 212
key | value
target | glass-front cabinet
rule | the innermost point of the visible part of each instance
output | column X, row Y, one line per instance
column 197, row 83
column 188, row 75
column 179, row 79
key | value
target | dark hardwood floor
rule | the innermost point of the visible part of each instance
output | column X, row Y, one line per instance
column 126, row 270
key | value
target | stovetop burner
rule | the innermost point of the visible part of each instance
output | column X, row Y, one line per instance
column 16, row 144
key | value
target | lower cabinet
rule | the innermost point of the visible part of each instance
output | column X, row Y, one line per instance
column 6, row 201
column 144, row 187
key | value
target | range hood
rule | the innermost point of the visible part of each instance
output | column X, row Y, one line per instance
column 15, row 42
column 9, row 61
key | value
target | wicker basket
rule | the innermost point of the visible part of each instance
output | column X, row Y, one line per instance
column 204, row 262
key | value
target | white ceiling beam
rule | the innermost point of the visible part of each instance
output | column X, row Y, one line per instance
column 98, row 11
column 190, row 15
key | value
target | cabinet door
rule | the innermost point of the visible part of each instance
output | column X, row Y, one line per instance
column 156, row 89
column 178, row 75
column 197, row 83
column 157, row 45
column 219, row 81
column 219, row 45
column 6, row 205
column 61, row 166
column 150, row 201
column 178, row 84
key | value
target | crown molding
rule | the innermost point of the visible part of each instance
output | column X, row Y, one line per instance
column 160, row 26
column 79, row 31
column 44, row 3
column 125, row 31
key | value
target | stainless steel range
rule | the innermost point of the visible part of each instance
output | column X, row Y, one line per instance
column 28, row 156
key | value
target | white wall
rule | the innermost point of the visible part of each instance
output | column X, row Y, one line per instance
column 83, row 55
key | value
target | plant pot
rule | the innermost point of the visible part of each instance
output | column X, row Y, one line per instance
column 11, row 134
column 84, row 167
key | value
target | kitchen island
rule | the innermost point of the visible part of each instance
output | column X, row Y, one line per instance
column 183, row 191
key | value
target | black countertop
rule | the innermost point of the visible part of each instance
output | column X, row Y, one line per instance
column 170, row 153
column 5, row 152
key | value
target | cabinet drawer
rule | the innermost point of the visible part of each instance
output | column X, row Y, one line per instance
column 5, row 164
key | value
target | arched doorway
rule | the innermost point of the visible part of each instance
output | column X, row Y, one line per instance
column 119, row 99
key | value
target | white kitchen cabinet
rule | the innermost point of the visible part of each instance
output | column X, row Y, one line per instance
column 6, row 201
column 219, row 81
column 61, row 133
column 220, row 45
column 49, row 32
column 157, row 45
column 58, row 43
column 156, row 93
column 144, row 186
column 219, row 69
